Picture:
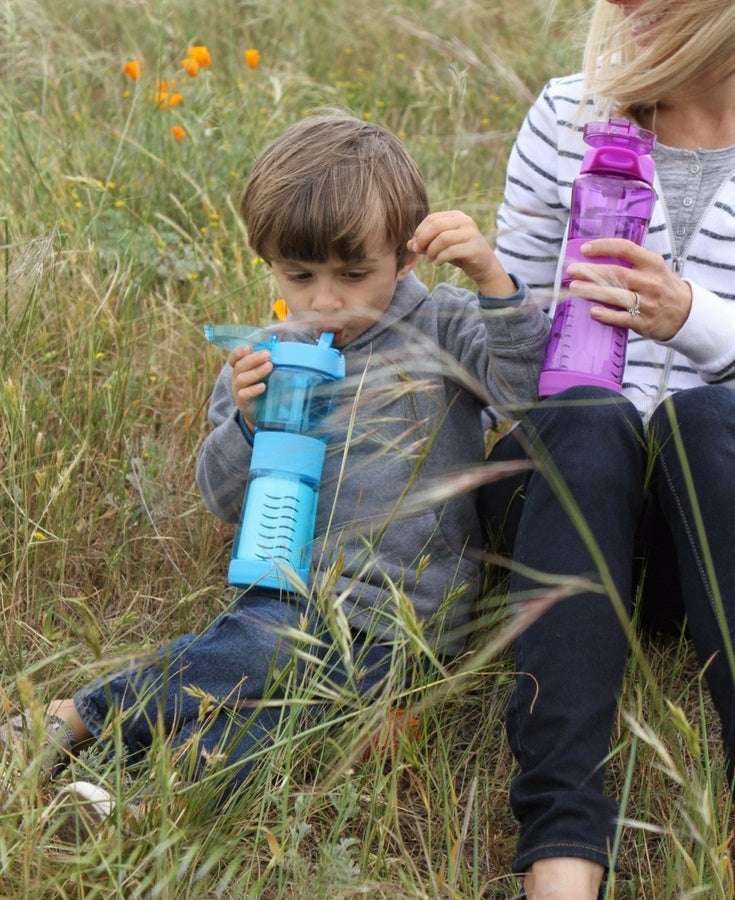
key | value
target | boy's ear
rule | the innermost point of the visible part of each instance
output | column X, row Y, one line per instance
column 408, row 264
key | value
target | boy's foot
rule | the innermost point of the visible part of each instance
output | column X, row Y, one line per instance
column 78, row 811
column 56, row 743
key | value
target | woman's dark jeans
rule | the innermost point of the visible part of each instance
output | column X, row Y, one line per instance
column 586, row 508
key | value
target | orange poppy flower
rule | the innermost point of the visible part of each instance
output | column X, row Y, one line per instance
column 280, row 310
column 385, row 741
column 190, row 66
column 252, row 58
column 132, row 69
column 178, row 133
column 201, row 55
column 164, row 100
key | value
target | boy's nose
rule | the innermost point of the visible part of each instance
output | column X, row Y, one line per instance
column 325, row 297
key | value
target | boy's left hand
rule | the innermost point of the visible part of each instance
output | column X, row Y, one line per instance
column 453, row 237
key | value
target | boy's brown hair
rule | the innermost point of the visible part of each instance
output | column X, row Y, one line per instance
column 329, row 184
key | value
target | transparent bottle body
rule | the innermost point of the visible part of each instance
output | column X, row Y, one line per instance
column 296, row 400
column 582, row 350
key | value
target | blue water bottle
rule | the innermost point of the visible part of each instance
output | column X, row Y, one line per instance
column 274, row 539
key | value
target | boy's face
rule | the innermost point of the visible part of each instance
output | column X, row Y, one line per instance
column 344, row 298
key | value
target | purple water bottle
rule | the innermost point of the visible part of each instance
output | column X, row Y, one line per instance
column 611, row 197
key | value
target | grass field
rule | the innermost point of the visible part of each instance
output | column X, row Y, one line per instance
column 119, row 239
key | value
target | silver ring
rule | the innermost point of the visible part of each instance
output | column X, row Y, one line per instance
column 635, row 309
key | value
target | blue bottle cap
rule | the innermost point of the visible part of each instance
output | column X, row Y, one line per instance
column 321, row 357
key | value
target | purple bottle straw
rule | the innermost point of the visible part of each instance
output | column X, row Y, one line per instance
column 611, row 197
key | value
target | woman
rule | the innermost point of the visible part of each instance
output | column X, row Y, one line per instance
column 669, row 65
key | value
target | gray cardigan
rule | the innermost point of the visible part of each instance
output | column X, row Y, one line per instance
column 409, row 418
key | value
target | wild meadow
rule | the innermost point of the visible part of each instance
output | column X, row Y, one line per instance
column 128, row 131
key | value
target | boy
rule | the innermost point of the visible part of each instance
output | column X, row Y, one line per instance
column 339, row 211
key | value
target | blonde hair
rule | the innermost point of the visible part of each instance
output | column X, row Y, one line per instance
column 328, row 185
column 692, row 40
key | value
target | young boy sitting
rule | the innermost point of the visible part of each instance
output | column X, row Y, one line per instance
column 339, row 211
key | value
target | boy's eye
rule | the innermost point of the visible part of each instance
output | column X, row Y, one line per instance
column 354, row 276
column 299, row 276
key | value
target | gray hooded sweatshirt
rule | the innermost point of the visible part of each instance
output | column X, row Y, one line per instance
column 394, row 517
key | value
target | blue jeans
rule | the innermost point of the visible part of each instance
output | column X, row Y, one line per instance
column 571, row 659
column 205, row 691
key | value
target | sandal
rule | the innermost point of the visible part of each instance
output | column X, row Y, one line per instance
column 55, row 746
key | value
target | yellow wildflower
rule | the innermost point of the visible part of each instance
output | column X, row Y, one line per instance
column 178, row 133
column 280, row 310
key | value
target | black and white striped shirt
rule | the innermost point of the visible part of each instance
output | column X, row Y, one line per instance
column 532, row 221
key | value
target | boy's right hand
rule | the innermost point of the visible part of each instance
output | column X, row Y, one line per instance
column 249, row 369
column 453, row 237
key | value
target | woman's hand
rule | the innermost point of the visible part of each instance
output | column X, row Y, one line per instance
column 249, row 369
column 453, row 237
column 652, row 300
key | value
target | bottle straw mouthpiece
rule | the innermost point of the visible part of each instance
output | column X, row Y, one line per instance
column 326, row 338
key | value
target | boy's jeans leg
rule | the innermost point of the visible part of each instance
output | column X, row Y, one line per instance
column 232, row 743
column 203, row 692
column 570, row 660
column 234, row 661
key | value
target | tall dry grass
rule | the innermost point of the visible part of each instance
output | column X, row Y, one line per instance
column 117, row 244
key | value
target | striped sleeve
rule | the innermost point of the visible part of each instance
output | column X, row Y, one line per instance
column 541, row 168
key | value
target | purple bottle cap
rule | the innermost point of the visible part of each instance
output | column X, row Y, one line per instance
column 618, row 147
column 620, row 133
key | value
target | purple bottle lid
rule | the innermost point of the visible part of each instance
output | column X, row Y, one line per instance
column 618, row 147
column 620, row 133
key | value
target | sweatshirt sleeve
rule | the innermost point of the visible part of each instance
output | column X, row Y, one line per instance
column 516, row 342
column 502, row 348
column 224, row 457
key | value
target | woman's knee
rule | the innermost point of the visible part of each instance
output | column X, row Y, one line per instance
column 592, row 407
column 694, row 413
column 590, row 423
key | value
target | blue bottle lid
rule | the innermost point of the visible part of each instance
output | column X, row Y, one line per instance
column 321, row 357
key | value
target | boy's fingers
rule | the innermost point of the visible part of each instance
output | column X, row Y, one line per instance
column 237, row 354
